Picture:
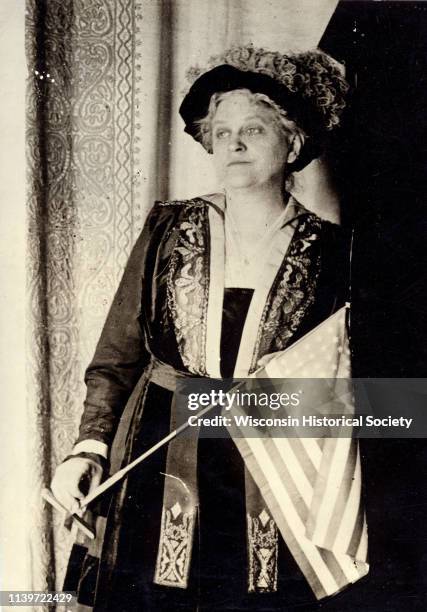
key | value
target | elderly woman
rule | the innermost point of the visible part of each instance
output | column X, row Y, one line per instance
column 213, row 285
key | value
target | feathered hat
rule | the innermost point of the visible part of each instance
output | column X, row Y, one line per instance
column 309, row 87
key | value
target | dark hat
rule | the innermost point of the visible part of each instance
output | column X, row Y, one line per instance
column 308, row 86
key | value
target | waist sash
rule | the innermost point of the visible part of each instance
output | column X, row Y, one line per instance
column 180, row 497
column 180, row 509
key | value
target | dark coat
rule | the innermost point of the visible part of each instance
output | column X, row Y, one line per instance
column 149, row 319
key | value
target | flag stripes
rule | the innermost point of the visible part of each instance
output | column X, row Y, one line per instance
column 313, row 487
column 290, row 524
column 308, row 465
column 290, row 462
column 326, row 502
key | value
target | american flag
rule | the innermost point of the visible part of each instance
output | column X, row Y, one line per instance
column 313, row 486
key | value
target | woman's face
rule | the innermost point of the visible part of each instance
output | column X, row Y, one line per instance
column 249, row 148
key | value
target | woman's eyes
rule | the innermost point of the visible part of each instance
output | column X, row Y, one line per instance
column 254, row 130
column 222, row 134
column 251, row 130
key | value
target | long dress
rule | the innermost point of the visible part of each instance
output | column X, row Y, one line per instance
column 172, row 306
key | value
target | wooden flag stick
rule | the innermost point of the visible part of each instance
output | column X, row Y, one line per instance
column 110, row 482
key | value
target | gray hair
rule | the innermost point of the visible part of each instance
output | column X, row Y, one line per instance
column 279, row 116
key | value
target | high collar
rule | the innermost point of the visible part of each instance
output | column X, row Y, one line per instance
column 293, row 208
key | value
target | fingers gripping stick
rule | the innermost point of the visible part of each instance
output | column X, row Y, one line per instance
column 117, row 477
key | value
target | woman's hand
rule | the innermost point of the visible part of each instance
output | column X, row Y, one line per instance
column 74, row 479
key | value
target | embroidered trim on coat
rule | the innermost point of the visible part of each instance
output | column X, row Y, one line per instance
column 262, row 553
column 188, row 285
column 173, row 561
column 293, row 292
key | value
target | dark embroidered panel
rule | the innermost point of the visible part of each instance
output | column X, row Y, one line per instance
column 262, row 553
column 188, row 286
column 176, row 542
column 293, row 292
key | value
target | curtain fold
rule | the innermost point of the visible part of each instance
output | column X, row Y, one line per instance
column 52, row 322
column 104, row 140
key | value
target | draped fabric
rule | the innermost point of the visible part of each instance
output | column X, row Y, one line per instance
column 319, row 511
column 103, row 141
column 84, row 210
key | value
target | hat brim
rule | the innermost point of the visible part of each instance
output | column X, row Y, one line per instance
column 226, row 78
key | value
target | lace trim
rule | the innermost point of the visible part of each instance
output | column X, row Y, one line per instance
column 188, row 284
column 293, row 293
column 262, row 553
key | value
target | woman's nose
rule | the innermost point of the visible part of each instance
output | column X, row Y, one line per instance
column 236, row 143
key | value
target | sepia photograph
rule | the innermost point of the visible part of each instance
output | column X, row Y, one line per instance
column 213, row 305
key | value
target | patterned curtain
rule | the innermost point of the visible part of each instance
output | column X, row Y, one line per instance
column 84, row 211
column 51, row 226
column 103, row 90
